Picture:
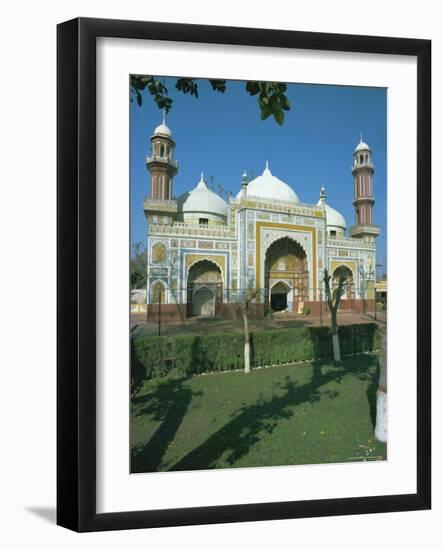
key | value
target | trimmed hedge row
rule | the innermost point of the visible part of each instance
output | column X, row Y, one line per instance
column 153, row 356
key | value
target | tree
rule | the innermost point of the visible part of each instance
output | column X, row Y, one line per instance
column 333, row 301
column 249, row 296
column 380, row 431
column 138, row 266
column 271, row 95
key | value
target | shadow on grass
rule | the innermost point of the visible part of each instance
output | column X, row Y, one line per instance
column 235, row 439
column 166, row 403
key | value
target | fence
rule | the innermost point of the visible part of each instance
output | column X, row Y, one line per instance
column 211, row 300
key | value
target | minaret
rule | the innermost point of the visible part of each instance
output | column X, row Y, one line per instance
column 363, row 170
column 161, row 164
column 161, row 208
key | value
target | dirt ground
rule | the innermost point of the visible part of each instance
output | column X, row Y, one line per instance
column 204, row 325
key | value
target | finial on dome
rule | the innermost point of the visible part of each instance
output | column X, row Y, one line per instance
column 322, row 195
column 360, row 137
column 267, row 169
column 201, row 184
column 164, row 116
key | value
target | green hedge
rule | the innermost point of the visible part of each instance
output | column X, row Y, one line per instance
column 154, row 356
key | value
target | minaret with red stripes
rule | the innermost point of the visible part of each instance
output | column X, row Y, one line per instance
column 161, row 207
column 363, row 170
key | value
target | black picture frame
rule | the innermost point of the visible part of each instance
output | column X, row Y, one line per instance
column 76, row 274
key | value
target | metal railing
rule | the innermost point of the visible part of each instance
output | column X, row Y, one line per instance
column 212, row 299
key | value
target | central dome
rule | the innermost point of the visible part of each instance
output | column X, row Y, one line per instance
column 268, row 186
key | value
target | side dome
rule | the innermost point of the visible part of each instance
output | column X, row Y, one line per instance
column 202, row 200
column 335, row 220
column 268, row 186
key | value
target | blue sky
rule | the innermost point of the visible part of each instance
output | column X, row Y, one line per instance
column 222, row 135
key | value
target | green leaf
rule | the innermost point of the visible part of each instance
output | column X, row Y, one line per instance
column 279, row 117
column 139, row 98
column 263, row 100
column 274, row 102
column 285, row 103
column 218, row 85
column 252, row 87
column 266, row 111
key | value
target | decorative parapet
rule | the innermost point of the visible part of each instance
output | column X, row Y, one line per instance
column 365, row 229
column 258, row 203
column 160, row 205
column 159, row 158
column 180, row 228
column 350, row 243
column 355, row 167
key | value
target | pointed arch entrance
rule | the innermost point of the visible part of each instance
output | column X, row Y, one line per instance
column 204, row 288
column 286, row 271
column 281, row 296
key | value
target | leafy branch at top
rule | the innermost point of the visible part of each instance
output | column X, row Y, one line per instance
column 271, row 95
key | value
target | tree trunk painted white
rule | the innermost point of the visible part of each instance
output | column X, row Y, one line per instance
column 336, row 348
column 247, row 357
column 380, row 431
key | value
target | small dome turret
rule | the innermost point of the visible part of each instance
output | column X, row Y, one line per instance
column 163, row 129
column 362, row 146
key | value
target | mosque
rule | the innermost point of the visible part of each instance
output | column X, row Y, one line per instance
column 204, row 253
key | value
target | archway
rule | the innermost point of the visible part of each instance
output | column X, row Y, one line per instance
column 286, row 259
column 348, row 287
column 279, row 296
column 204, row 288
column 203, row 303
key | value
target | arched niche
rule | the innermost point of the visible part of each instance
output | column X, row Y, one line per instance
column 159, row 253
column 204, row 287
column 203, row 302
column 286, row 259
column 157, row 289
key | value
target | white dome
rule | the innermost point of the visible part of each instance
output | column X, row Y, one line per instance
column 268, row 186
column 163, row 130
column 334, row 218
column 204, row 200
column 362, row 146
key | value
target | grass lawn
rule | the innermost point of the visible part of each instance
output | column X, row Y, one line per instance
column 300, row 414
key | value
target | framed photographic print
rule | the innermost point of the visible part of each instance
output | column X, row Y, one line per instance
column 243, row 225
